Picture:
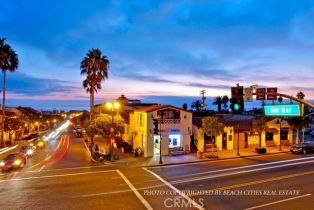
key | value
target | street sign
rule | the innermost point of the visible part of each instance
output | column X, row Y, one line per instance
column 248, row 94
column 283, row 110
column 260, row 93
column 272, row 94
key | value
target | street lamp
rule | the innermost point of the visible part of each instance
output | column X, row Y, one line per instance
column 238, row 149
column 112, row 107
column 279, row 122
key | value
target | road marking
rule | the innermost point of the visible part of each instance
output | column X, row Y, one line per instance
column 196, row 205
column 214, row 161
column 280, row 201
column 264, row 181
column 237, row 172
column 58, row 175
column 138, row 195
column 247, row 166
column 8, row 149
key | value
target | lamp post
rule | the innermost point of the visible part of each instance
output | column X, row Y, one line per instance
column 279, row 122
column 112, row 106
column 238, row 149
column 161, row 121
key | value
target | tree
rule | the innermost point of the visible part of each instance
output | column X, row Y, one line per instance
column 196, row 105
column 95, row 66
column 280, row 99
column 185, row 106
column 225, row 100
column 212, row 127
column 258, row 126
column 218, row 101
column 300, row 95
column 8, row 62
column 103, row 124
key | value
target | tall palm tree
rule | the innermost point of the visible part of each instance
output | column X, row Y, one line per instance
column 225, row 100
column 280, row 99
column 196, row 105
column 300, row 95
column 8, row 62
column 95, row 66
column 218, row 101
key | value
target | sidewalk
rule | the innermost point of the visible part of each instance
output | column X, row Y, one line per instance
column 128, row 159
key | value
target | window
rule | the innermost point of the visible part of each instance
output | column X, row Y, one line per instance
column 175, row 140
column 284, row 135
column 269, row 136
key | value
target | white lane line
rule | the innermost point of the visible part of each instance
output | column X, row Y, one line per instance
column 238, row 172
column 8, row 149
column 214, row 161
column 138, row 195
column 53, row 176
column 281, row 201
column 248, row 166
column 3, row 149
column 196, row 205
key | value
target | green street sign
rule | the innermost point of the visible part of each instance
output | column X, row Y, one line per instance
column 283, row 110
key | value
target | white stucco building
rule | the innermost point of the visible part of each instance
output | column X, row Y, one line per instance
column 174, row 123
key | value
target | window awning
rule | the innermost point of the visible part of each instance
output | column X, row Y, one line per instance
column 272, row 130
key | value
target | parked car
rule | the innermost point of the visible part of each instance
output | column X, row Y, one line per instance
column 304, row 148
column 27, row 150
column 13, row 161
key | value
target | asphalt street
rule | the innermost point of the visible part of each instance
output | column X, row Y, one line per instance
column 62, row 177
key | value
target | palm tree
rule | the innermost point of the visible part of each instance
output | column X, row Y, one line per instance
column 280, row 99
column 225, row 100
column 185, row 106
column 8, row 62
column 196, row 105
column 259, row 125
column 218, row 101
column 300, row 95
column 95, row 66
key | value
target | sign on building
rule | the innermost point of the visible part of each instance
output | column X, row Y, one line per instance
column 248, row 95
column 272, row 94
column 292, row 110
column 260, row 93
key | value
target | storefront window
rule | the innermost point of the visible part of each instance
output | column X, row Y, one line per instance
column 269, row 136
column 175, row 140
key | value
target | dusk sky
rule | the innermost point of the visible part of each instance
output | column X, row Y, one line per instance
column 159, row 48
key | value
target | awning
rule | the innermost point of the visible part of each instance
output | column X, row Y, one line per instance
column 272, row 130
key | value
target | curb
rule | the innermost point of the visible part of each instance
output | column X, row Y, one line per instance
column 218, row 159
column 90, row 154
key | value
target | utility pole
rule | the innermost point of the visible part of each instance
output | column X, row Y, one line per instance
column 202, row 93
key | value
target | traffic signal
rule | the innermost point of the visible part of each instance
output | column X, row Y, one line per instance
column 155, row 126
column 236, row 101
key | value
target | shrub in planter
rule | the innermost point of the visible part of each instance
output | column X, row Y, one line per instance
column 260, row 150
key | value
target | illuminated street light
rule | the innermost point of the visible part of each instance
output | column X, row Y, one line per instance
column 112, row 107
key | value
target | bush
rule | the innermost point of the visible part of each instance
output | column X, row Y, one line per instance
column 260, row 150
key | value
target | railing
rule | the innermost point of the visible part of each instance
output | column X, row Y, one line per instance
column 170, row 121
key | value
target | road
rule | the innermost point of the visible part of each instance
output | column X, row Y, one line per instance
column 63, row 177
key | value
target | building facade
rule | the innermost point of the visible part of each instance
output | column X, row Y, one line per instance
column 174, row 125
